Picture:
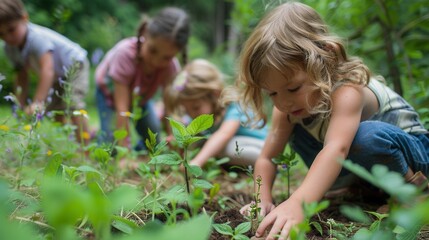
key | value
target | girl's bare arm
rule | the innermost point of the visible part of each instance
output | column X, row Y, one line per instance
column 275, row 143
column 46, row 77
column 122, row 101
column 345, row 118
column 216, row 142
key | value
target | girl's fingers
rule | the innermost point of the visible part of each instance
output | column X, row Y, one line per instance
column 267, row 221
column 285, row 231
column 275, row 230
column 245, row 210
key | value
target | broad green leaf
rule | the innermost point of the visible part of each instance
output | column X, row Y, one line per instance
column 167, row 159
column 362, row 234
column 120, row 134
column 242, row 228
column 100, row 155
column 408, row 234
column 121, row 151
column 179, row 130
column 123, row 224
column 124, row 197
column 199, row 124
column 355, row 213
column 200, row 183
column 313, row 208
column 195, row 170
column 197, row 228
column 53, row 165
column 224, row 229
column 191, row 140
column 175, row 194
column 85, row 168
column 241, row 237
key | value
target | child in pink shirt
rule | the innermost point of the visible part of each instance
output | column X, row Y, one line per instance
column 135, row 68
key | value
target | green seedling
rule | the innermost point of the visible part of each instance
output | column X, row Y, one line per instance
column 310, row 209
column 254, row 206
column 339, row 230
column 403, row 221
column 213, row 192
column 236, row 233
column 286, row 161
column 187, row 135
column 155, row 150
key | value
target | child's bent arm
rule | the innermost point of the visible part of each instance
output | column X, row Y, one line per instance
column 344, row 123
column 46, row 77
column 122, row 100
column 274, row 145
column 22, row 83
column 216, row 142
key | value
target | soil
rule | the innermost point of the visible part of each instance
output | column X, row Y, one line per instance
column 360, row 194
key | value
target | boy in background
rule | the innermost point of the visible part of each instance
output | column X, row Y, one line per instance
column 50, row 55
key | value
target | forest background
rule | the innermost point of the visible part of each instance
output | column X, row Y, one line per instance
column 391, row 36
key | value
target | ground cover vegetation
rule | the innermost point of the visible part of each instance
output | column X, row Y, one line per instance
column 54, row 187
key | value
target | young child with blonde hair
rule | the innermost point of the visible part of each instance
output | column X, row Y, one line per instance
column 197, row 90
column 327, row 106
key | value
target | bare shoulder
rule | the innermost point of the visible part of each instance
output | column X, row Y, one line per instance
column 355, row 97
column 348, row 96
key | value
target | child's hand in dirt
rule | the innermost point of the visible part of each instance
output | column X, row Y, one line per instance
column 32, row 108
column 265, row 206
column 282, row 219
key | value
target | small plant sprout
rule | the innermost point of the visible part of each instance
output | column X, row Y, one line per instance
column 70, row 73
column 237, row 233
column 310, row 209
column 286, row 161
column 254, row 206
column 185, row 136
column 213, row 192
column 155, row 150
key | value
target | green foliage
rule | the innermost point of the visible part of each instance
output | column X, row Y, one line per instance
column 254, row 206
column 408, row 209
column 286, row 161
column 310, row 209
column 185, row 136
column 197, row 228
column 236, row 233
column 391, row 182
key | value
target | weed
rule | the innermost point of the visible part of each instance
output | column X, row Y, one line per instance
column 286, row 161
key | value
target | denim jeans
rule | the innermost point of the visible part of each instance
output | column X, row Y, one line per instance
column 375, row 143
column 106, row 113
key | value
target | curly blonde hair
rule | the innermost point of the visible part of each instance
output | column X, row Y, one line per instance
column 198, row 80
column 290, row 38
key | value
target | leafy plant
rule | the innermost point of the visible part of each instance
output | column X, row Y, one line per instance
column 340, row 230
column 236, row 233
column 254, row 206
column 185, row 136
column 286, row 161
column 408, row 211
column 310, row 209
